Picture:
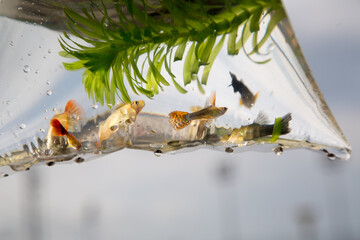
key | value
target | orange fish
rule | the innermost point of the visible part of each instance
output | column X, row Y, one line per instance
column 59, row 130
column 68, row 120
column 179, row 119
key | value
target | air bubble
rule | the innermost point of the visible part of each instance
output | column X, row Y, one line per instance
column 22, row 126
column 26, row 69
column 49, row 51
column 49, row 92
column 20, row 8
column 94, row 106
column 40, row 46
column 11, row 43
column 54, row 109
column 36, row 71
column 278, row 150
column 48, row 83
column 79, row 160
column 271, row 47
column 114, row 128
column 51, row 163
column 229, row 150
column 42, row 130
column 331, row 156
column 158, row 153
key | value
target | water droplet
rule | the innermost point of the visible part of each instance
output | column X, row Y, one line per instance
column 51, row 163
column 271, row 47
column 48, row 83
column 49, row 92
column 26, row 69
column 278, row 150
column 105, row 24
column 11, row 43
column 229, row 150
column 42, row 130
column 79, row 160
column 20, row 8
column 94, row 106
column 22, row 126
column 36, row 71
column 158, row 153
column 49, row 51
column 331, row 156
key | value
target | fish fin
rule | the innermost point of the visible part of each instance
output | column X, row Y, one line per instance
column 73, row 108
column 213, row 99
column 178, row 120
column 57, row 128
column 261, row 118
column 241, row 102
column 195, row 108
column 256, row 96
column 73, row 142
column 285, row 120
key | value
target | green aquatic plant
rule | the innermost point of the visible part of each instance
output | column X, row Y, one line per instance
column 116, row 47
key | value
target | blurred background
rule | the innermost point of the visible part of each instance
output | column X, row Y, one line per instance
column 207, row 194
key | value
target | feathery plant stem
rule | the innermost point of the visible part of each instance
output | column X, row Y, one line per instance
column 158, row 33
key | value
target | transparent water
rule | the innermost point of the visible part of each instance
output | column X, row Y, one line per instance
column 35, row 86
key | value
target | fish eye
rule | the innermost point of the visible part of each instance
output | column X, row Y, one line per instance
column 136, row 102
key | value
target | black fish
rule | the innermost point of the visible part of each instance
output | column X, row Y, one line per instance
column 247, row 98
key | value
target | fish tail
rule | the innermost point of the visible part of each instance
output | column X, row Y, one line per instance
column 73, row 108
column 178, row 120
column 285, row 120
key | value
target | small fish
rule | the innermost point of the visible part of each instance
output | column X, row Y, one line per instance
column 59, row 130
column 124, row 115
column 179, row 119
column 258, row 129
column 69, row 120
column 247, row 98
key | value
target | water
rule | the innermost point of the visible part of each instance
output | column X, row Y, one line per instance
column 284, row 86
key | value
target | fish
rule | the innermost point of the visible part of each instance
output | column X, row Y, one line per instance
column 257, row 129
column 180, row 120
column 247, row 99
column 60, row 130
column 69, row 120
column 123, row 116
